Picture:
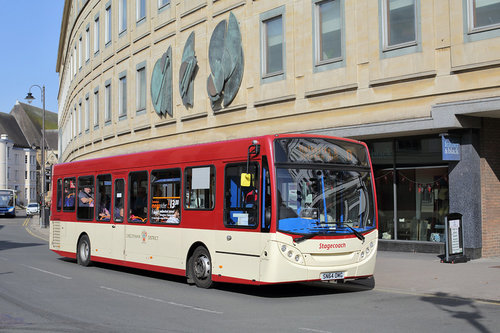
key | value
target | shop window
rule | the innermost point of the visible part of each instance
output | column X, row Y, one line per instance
column 138, row 196
column 200, row 188
column 85, row 210
column 241, row 206
column 166, row 196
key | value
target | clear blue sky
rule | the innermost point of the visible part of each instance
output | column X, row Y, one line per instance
column 29, row 39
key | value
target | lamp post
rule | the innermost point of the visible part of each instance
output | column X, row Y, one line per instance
column 30, row 98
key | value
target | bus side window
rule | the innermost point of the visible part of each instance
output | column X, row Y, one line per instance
column 119, row 200
column 166, row 196
column 266, row 196
column 103, row 198
column 138, row 197
column 59, row 194
column 69, row 194
column 200, row 187
column 241, row 206
column 85, row 210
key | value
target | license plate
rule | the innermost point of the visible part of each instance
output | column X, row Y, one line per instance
column 332, row 276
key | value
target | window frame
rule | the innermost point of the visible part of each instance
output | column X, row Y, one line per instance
column 98, row 196
column 138, row 6
column 188, row 192
column 122, row 95
column 129, row 209
column 387, row 51
column 96, row 34
column 318, row 64
column 179, row 170
column 108, row 25
column 77, row 198
column 471, row 17
column 108, row 102
column 122, row 17
column 124, row 200
column 141, row 68
column 242, row 165
column 264, row 19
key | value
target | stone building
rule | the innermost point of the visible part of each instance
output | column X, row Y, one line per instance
column 409, row 77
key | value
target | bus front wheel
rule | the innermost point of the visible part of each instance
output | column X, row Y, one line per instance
column 83, row 251
column 201, row 267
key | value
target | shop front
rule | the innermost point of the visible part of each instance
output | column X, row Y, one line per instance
column 412, row 192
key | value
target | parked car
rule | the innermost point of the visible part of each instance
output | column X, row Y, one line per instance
column 32, row 209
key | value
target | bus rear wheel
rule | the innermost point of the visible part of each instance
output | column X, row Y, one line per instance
column 201, row 268
column 83, row 251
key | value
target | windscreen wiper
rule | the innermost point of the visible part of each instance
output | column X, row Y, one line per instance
column 357, row 233
column 303, row 238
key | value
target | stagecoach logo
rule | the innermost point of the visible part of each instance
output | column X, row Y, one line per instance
column 144, row 236
column 323, row 246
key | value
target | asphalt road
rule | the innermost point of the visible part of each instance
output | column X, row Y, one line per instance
column 41, row 292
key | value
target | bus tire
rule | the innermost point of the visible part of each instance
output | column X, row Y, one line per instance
column 83, row 251
column 200, row 267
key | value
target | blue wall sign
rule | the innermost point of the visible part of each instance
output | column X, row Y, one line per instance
column 451, row 148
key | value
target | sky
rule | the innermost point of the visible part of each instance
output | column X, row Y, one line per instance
column 29, row 41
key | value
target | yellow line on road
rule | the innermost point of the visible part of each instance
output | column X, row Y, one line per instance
column 26, row 227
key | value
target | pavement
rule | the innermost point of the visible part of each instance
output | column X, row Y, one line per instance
column 410, row 273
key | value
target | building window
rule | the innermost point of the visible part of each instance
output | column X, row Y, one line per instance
column 87, row 113
column 107, row 102
column 328, row 31
column 483, row 15
column 75, row 59
column 80, row 117
column 400, row 23
column 122, row 95
column 122, row 16
column 87, row 44
column 96, row 34
column 141, row 90
column 96, row 107
column 141, row 10
column 80, row 52
column 273, row 44
column 162, row 4
column 108, row 25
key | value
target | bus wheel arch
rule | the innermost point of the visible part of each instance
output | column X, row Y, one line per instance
column 83, row 250
column 199, row 266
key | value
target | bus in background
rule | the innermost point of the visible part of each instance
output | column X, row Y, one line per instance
column 263, row 210
column 8, row 203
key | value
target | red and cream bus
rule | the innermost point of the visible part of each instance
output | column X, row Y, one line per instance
column 263, row 210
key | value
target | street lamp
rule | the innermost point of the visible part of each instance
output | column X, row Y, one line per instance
column 29, row 98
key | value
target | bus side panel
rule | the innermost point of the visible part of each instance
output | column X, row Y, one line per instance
column 153, row 245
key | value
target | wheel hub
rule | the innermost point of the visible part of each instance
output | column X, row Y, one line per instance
column 202, row 267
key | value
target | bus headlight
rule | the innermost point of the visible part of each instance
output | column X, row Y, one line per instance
column 291, row 253
column 11, row 209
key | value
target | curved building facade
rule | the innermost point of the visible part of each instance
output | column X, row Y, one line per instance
column 407, row 76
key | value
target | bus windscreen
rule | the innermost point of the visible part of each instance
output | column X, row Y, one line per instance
column 320, row 150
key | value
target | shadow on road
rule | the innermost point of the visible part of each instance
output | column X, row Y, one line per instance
column 6, row 245
column 457, row 307
column 268, row 291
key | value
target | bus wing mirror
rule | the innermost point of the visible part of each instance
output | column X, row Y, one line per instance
column 246, row 179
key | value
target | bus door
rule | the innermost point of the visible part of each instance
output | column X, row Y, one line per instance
column 117, row 218
column 239, row 244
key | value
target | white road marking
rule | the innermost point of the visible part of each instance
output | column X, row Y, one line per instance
column 43, row 271
column 161, row 300
column 313, row 330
